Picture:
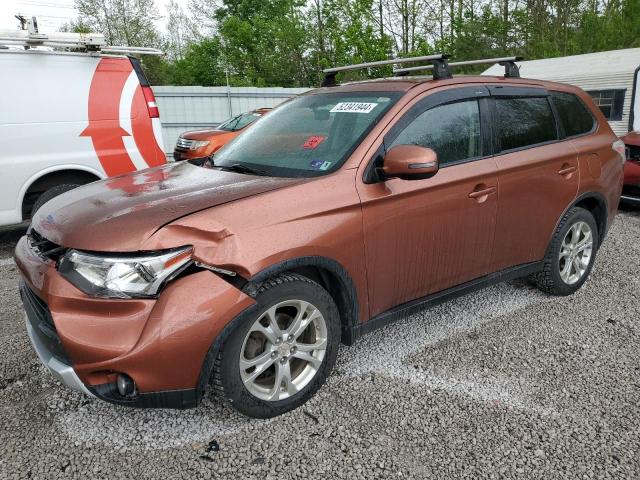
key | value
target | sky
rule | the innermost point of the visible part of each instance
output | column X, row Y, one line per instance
column 52, row 14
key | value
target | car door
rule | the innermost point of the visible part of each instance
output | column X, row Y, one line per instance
column 423, row 236
column 538, row 175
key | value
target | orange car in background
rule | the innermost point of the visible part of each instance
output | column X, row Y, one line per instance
column 202, row 143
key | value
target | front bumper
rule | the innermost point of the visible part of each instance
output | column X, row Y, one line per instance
column 45, row 340
column 64, row 373
column 161, row 344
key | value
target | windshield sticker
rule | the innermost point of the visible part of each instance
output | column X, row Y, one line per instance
column 353, row 107
column 313, row 142
column 320, row 164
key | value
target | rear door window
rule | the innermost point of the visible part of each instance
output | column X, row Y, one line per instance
column 523, row 122
column 451, row 130
column 573, row 114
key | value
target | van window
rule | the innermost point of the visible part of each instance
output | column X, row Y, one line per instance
column 522, row 122
column 610, row 102
column 452, row 130
column 574, row 115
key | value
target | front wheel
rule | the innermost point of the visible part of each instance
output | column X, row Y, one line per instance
column 282, row 349
column 571, row 254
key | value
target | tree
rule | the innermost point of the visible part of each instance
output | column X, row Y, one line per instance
column 289, row 42
column 122, row 22
column 181, row 31
column 76, row 26
column 202, row 64
column 265, row 41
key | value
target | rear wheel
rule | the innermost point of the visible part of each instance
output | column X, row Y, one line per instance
column 571, row 255
column 282, row 350
column 52, row 193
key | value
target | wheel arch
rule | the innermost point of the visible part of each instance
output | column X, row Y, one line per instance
column 341, row 288
column 595, row 203
column 49, row 177
column 329, row 274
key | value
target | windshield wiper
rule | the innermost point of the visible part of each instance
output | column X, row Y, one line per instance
column 241, row 168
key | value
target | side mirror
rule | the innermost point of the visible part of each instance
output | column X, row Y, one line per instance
column 410, row 162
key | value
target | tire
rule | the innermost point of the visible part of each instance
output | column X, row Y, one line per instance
column 50, row 194
column 260, row 397
column 557, row 276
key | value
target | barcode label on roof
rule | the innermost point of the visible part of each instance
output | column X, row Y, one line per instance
column 353, row 107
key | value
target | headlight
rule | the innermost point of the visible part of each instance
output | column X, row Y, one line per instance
column 199, row 144
column 122, row 275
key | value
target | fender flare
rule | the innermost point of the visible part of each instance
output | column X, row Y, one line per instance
column 347, row 288
column 586, row 196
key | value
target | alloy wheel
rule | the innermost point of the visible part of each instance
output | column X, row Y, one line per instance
column 283, row 350
column 575, row 253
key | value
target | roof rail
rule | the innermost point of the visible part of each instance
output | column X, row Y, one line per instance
column 78, row 42
column 439, row 66
column 511, row 69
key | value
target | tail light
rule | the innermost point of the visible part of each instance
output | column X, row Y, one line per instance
column 150, row 98
column 621, row 149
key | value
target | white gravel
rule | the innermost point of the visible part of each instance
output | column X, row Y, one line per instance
column 6, row 261
column 503, row 383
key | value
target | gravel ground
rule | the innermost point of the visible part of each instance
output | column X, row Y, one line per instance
column 503, row 383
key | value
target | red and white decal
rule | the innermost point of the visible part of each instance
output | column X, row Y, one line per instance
column 124, row 136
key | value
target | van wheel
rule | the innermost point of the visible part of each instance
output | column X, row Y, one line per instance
column 282, row 350
column 52, row 193
column 571, row 254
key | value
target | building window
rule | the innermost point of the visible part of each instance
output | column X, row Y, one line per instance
column 610, row 102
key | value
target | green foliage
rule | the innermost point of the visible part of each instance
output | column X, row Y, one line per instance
column 288, row 42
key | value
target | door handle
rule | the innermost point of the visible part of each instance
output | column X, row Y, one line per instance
column 567, row 170
column 482, row 191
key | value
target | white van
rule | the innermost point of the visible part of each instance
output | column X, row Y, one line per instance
column 67, row 119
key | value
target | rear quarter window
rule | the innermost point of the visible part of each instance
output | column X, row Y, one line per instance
column 575, row 117
column 522, row 122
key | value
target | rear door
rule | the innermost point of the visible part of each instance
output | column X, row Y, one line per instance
column 423, row 236
column 538, row 174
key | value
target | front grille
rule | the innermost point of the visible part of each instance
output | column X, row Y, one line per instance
column 45, row 249
column 40, row 318
column 184, row 144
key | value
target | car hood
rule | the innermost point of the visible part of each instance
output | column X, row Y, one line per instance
column 203, row 134
column 120, row 213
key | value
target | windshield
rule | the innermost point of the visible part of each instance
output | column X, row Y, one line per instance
column 308, row 136
column 239, row 121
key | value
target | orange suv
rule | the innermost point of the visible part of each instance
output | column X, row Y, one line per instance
column 340, row 211
column 202, row 143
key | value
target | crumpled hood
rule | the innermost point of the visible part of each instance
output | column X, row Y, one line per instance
column 120, row 213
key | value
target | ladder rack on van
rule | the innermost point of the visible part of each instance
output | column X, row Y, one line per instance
column 77, row 42
column 439, row 65
column 511, row 68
